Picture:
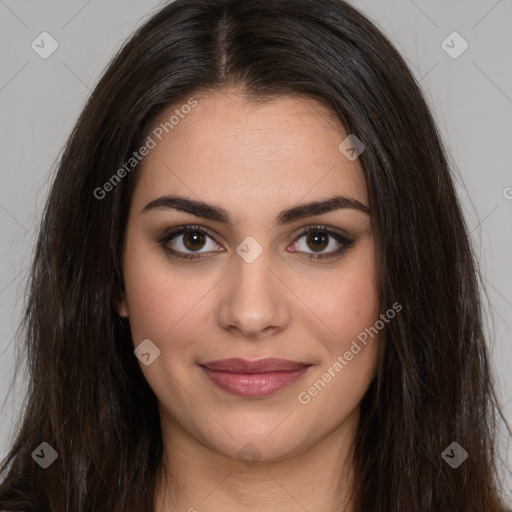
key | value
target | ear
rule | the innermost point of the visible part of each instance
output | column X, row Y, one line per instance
column 122, row 306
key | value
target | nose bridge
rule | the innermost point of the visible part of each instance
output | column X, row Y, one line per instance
column 253, row 298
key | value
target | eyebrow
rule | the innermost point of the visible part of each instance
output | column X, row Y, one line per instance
column 219, row 214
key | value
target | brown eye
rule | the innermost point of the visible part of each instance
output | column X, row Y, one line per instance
column 184, row 241
column 317, row 240
column 194, row 240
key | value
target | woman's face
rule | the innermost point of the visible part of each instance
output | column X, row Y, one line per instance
column 251, row 288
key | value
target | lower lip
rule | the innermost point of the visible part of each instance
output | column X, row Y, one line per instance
column 254, row 384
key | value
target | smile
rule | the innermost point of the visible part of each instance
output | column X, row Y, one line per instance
column 254, row 378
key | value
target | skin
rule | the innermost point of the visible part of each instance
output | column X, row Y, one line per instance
column 254, row 161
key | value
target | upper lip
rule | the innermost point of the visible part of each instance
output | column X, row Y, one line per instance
column 237, row 365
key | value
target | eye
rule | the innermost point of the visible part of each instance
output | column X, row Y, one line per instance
column 194, row 239
column 317, row 237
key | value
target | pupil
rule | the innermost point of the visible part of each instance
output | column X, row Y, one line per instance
column 198, row 239
column 318, row 237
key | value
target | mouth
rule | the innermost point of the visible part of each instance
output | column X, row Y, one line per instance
column 254, row 378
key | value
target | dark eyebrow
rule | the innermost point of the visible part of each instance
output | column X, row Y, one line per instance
column 219, row 214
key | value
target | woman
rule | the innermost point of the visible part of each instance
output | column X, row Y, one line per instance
column 325, row 352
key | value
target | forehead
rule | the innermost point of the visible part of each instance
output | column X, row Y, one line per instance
column 246, row 155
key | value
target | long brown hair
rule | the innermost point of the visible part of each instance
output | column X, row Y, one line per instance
column 87, row 397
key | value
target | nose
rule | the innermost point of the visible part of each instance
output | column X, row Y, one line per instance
column 254, row 300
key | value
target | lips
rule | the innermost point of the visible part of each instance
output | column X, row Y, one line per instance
column 254, row 378
column 237, row 365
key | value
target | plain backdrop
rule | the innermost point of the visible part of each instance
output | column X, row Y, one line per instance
column 470, row 94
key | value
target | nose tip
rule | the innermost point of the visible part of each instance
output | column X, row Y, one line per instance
column 252, row 303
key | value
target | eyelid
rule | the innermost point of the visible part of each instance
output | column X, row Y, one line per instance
column 322, row 227
column 168, row 234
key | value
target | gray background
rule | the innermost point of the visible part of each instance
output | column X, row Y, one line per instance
column 471, row 98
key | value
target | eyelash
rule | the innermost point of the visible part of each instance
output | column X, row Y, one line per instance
column 173, row 233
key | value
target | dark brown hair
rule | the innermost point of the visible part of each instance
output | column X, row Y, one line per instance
column 87, row 396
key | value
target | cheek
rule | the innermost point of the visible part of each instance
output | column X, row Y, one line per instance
column 165, row 302
column 152, row 300
column 354, row 352
column 351, row 353
column 348, row 302
column 358, row 306
column 159, row 305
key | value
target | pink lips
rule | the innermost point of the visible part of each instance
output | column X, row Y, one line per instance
column 253, row 378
